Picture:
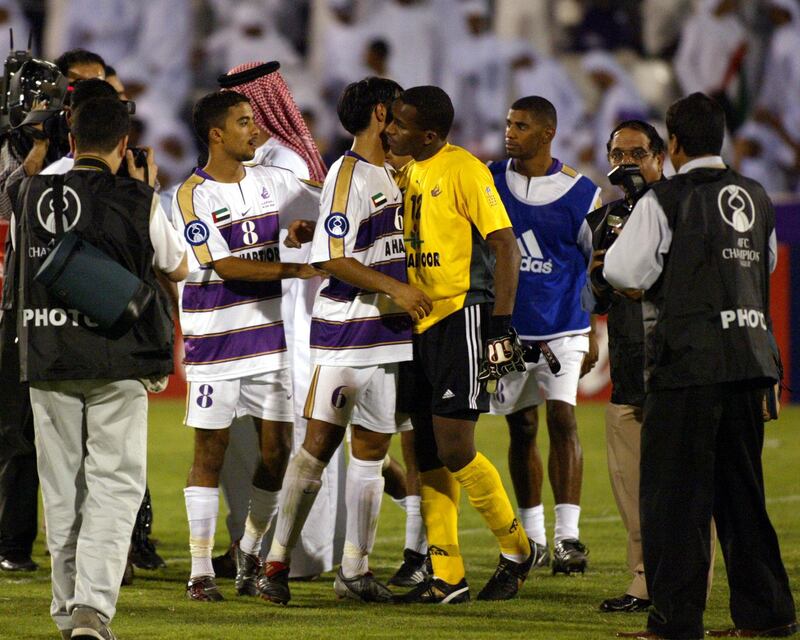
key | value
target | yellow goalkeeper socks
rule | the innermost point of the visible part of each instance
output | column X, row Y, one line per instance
column 487, row 494
column 440, row 493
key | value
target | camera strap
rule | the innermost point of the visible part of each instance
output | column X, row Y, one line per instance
column 58, row 203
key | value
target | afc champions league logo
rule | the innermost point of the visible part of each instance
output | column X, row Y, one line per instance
column 196, row 232
column 736, row 207
column 71, row 210
column 337, row 225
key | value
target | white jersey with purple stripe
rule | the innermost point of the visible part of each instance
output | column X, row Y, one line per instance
column 233, row 328
column 360, row 217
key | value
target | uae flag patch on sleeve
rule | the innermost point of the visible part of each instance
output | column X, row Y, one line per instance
column 379, row 199
column 221, row 215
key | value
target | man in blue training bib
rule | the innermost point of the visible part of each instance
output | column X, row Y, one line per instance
column 547, row 202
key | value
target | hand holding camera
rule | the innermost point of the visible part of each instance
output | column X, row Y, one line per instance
column 141, row 164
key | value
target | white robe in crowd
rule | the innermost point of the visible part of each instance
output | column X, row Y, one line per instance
column 547, row 77
column 412, row 34
column 619, row 102
column 779, row 93
column 230, row 45
column 707, row 45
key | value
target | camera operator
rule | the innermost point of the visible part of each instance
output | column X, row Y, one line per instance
column 636, row 153
column 701, row 247
column 88, row 385
column 19, row 482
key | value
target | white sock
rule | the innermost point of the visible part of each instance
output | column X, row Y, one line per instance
column 363, row 494
column 263, row 507
column 533, row 523
column 301, row 485
column 400, row 502
column 416, row 540
column 567, row 516
column 202, row 507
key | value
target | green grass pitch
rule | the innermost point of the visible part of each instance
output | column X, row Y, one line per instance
column 549, row 607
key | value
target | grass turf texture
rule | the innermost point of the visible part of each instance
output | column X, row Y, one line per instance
column 552, row 607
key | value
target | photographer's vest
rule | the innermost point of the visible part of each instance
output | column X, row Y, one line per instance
column 706, row 318
column 112, row 214
column 625, row 331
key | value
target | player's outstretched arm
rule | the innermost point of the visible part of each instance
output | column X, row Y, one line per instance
column 413, row 301
column 503, row 245
column 232, row 268
column 299, row 232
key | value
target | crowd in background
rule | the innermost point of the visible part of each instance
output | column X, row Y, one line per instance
column 597, row 61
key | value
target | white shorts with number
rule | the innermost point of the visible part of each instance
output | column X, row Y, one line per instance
column 518, row 391
column 365, row 396
column 214, row 405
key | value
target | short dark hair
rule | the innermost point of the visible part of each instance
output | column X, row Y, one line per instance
column 91, row 89
column 110, row 71
column 98, row 125
column 77, row 56
column 360, row 98
column 434, row 108
column 211, row 109
column 655, row 140
column 540, row 108
column 698, row 124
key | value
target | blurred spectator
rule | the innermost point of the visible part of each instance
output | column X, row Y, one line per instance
column 768, row 145
column 619, row 100
column 537, row 74
column 11, row 17
column 410, row 29
column 710, row 55
column 662, row 21
column 147, row 42
column 251, row 34
column 342, row 43
column 610, row 25
column 376, row 58
column 478, row 80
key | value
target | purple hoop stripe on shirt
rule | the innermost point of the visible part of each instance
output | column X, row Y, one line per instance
column 235, row 345
column 215, row 295
column 339, row 290
column 361, row 333
column 377, row 225
column 267, row 229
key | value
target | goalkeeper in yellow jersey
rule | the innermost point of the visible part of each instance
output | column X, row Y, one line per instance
column 462, row 253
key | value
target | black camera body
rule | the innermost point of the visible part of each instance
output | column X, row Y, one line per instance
column 629, row 178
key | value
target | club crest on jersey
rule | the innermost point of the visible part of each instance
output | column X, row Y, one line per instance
column 379, row 199
column 336, row 225
column 265, row 193
column 490, row 197
column 221, row 215
column 196, row 232
column 436, row 191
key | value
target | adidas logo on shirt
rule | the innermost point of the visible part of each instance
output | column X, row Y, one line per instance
column 448, row 394
column 532, row 257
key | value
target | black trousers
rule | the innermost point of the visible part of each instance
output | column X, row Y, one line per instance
column 19, row 480
column 701, row 456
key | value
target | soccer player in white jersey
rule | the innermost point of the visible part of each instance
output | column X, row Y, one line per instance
column 360, row 331
column 231, row 321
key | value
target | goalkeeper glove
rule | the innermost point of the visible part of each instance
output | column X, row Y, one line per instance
column 503, row 353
